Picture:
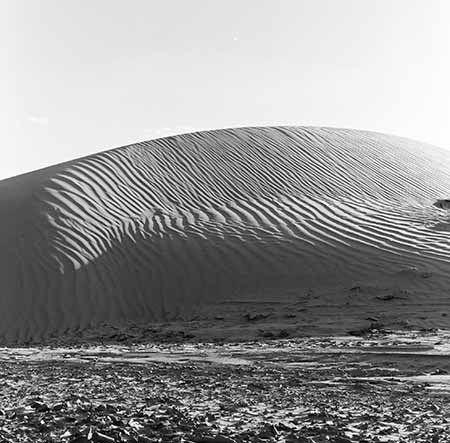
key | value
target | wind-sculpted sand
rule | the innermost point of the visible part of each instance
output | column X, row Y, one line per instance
column 155, row 231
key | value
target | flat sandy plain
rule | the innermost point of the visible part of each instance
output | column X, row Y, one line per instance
column 270, row 285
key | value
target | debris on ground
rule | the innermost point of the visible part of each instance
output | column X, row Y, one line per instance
column 293, row 396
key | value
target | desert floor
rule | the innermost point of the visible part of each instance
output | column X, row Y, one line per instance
column 376, row 385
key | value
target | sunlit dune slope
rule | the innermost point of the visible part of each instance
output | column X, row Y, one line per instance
column 150, row 231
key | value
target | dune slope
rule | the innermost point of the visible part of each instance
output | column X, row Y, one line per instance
column 150, row 231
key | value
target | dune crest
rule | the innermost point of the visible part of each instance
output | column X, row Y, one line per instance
column 150, row 231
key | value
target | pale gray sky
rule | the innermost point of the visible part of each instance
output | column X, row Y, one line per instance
column 82, row 76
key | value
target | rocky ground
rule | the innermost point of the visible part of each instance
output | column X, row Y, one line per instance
column 380, row 387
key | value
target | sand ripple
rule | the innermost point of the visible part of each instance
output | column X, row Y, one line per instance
column 151, row 230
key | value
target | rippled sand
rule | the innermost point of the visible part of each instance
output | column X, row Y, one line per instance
column 157, row 230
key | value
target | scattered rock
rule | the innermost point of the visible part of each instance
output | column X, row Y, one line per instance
column 102, row 438
column 39, row 406
column 80, row 440
column 442, row 204
column 255, row 316
column 217, row 439
column 373, row 328
column 387, row 297
column 290, row 315
column 439, row 371
column 329, row 399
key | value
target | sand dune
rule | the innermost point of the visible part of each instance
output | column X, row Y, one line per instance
column 151, row 231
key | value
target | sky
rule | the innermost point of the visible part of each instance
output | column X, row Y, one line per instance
column 83, row 76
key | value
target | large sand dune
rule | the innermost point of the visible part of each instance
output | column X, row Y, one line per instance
column 151, row 231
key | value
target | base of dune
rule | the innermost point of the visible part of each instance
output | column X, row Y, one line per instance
column 359, row 310
column 373, row 366
column 392, row 303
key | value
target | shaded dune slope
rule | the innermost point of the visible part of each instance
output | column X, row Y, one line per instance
column 149, row 231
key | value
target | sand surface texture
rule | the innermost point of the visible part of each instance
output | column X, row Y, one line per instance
column 158, row 230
